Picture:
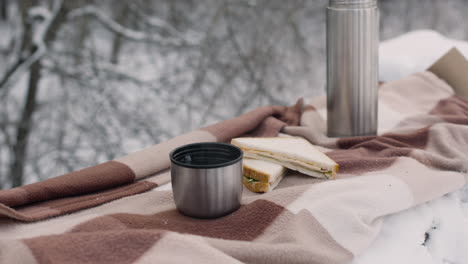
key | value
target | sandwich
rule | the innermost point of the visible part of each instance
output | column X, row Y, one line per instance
column 294, row 153
column 261, row 176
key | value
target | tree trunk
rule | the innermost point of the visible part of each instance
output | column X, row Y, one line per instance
column 122, row 19
column 116, row 45
column 24, row 127
column 3, row 10
column 81, row 39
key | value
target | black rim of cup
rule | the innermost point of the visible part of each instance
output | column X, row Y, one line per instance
column 206, row 155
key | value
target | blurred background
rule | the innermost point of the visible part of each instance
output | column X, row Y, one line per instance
column 82, row 82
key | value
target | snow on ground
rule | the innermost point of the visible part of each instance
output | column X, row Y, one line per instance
column 432, row 233
column 414, row 52
column 435, row 232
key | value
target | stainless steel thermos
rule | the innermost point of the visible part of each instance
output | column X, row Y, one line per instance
column 352, row 67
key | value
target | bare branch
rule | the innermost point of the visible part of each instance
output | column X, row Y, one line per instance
column 38, row 40
column 20, row 67
column 156, row 22
column 117, row 28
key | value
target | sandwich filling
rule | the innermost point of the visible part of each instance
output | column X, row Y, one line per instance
column 260, row 175
column 258, row 186
column 298, row 165
column 248, row 179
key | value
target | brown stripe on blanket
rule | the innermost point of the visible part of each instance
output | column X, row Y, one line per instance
column 313, row 131
column 416, row 139
column 47, row 209
column 124, row 246
column 453, row 110
column 270, row 127
column 235, row 226
column 363, row 154
column 359, row 161
column 100, row 177
column 258, row 122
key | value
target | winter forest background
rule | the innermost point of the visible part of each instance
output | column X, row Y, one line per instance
column 82, row 82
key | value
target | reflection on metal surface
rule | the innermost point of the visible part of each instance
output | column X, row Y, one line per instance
column 352, row 67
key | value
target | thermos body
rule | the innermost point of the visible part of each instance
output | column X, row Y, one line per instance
column 352, row 67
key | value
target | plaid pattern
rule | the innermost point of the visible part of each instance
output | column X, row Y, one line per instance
column 420, row 154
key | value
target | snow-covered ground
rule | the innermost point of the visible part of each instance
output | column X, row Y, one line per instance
column 435, row 232
column 432, row 233
column 414, row 52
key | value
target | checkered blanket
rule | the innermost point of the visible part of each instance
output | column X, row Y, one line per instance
column 107, row 213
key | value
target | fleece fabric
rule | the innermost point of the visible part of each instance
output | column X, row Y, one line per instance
column 107, row 213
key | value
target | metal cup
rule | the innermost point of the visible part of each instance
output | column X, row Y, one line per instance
column 206, row 179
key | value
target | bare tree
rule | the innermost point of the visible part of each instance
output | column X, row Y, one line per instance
column 36, row 38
